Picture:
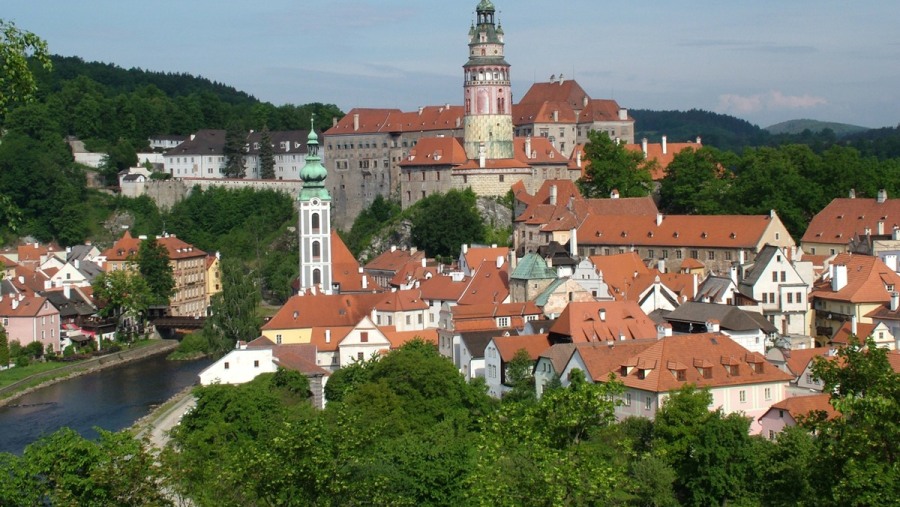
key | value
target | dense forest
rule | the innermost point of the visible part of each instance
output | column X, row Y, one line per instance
column 407, row 429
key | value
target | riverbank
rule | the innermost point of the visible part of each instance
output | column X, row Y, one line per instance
column 157, row 424
column 12, row 392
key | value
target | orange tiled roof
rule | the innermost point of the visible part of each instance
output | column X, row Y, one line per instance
column 488, row 284
column 542, row 151
column 320, row 310
column 534, row 344
column 583, row 322
column 620, row 271
column 601, row 110
column 797, row 360
column 525, row 113
column 178, row 248
column 345, row 269
column 394, row 260
column 490, row 310
column 328, row 338
column 28, row 306
column 372, row 121
column 436, row 151
column 123, row 248
column 29, row 281
column 7, row 263
column 867, row 278
column 568, row 91
column 475, row 255
column 400, row 338
column 800, row 406
column 31, row 252
column 713, row 231
column 496, row 163
column 402, row 301
column 443, row 288
column 661, row 362
column 845, row 217
column 655, row 152
column 842, row 337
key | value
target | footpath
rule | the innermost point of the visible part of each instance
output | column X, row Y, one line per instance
column 14, row 391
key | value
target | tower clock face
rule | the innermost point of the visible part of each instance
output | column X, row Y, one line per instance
column 315, row 202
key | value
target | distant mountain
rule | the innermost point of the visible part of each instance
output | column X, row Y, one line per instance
column 814, row 126
column 718, row 130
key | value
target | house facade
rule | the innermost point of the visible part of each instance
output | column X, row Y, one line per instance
column 28, row 319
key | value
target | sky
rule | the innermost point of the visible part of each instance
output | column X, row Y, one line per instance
column 764, row 61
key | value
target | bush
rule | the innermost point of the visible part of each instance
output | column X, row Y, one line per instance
column 69, row 351
column 22, row 361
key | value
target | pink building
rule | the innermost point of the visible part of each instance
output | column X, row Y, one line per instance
column 30, row 318
column 790, row 411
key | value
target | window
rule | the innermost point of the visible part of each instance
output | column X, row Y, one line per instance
column 799, row 297
column 315, row 222
column 774, row 276
column 695, row 254
column 771, row 434
column 316, row 250
column 743, row 396
column 278, row 339
column 768, row 393
column 503, row 322
column 408, row 320
column 665, row 254
column 364, row 337
column 227, row 365
column 650, row 253
column 627, row 399
column 728, row 256
column 678, row 254
column 772, row 297
column 784, row 276
column 790, row 298
column 711, row 255
column 648, row 403
column 765, row 298
column 256, row 363
column 360, row 356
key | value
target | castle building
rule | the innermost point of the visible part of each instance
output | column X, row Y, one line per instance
column 315, row 222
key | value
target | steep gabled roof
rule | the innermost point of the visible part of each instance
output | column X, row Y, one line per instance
column 567, row 91
column 489, row 284
column 542, row 151
column 394, row 259
column 796, row 360
column 320, row 310
column 178, row 248
column 28, row 306
column 443, row 288
column 730, row 317
column 345, row 269
column 802, row 406
column 123, row 248
column 602, row 321
column 620, row 272
column 402, row 301
column 700, row 231
column 532, row 267
column 203, row 142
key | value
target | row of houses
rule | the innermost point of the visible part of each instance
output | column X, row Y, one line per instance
column 46, row 292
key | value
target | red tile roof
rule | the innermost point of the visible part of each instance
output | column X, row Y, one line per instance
column 601, row 110
column 496, row 163
column 400, row 338
column 320, row 310
column 179, row 249
column 798, row 359
column 123, row 248
column 713, row 231
column 395, row 259
column 801, row 406
column 28, row 306
column 655, row 152
column 475, row 255
column 656, row 368
column 402, row 301
column 31, row 252
column 845, row 217
column 489, row 284
column 443, row 288
column 371, row 121
column 620, row 271
column 328, row 338
column 436, row 151
column 842, row 337
column 603, row 321
column 542, row 151
column 568, row 91
column 345, row 269
column 867, row 280
column 525, row 113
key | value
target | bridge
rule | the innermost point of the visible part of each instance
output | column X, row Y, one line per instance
column 170, row 326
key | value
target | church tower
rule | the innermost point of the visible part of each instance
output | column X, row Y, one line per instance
column 315, row 221
column 487, row 92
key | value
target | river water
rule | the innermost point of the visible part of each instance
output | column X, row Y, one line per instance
column 112, row 399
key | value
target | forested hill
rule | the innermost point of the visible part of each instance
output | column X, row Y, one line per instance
column 118, row 80
column 719, row 130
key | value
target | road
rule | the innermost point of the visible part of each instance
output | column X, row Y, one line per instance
column 159, row 424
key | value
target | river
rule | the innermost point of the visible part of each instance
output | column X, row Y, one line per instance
column 112, row 399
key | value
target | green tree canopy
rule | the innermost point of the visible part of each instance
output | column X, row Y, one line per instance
column 613, row 167
column 17, row 82
column 235, row 310
column 443, row 222
column 266, row 155
column 696, row 182
column 154, row 266
column 235, row 139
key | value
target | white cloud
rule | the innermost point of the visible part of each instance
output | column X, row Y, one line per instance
column 771, row 101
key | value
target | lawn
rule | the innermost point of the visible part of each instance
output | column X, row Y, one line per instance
column 16, row 374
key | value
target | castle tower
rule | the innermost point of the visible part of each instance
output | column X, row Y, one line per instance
column 315, row 221
column 487, row 92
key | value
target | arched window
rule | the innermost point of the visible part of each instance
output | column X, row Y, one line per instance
column 315, row 222
column 317, row 276
column 316, row 250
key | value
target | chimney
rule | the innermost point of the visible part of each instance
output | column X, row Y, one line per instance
column 663, row 330
column 21, row 279
column 659, row 219
column 193, row 136
column 838, row 277
column 327, row 336
column 393, row 248
column 573, row 243
column 334, row 121
column 500, row 260
column 733, row 272
column 644, row 146
column 578, row 158
column 421, row 110
column 602, row 315
column 665, row 146
column 15, row 303
column 482, row 154
column 561, row 79
column 895, row 301
column 852, row 193
column 458, row 122
column 712, row 326
column 528, row 147
column 555, row 115
column 355, row 122
column 365, row 282
column 614, row 194
column 584, row 101
column 424, row 262
column 77, row 264
column 895, row 234
column 553, row 195
column 881, row 227
column 853, row 327
column 890, row 260
column 882, row 196
column 699, row 140
column 465, row 248
column 661, row 265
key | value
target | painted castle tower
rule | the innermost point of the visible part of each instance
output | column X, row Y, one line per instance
column 487, row 92
column 315, row 221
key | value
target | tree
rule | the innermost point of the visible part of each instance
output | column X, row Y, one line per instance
column 125, row 295
column 235, row 310
column 266, row 155
column 443, row 222
column 857, row 458
column 695, row 183
column 4, row 348
column 235, row 139
column 154, row 266
column 613, row 167
column 17, row 83
column 519, row 376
